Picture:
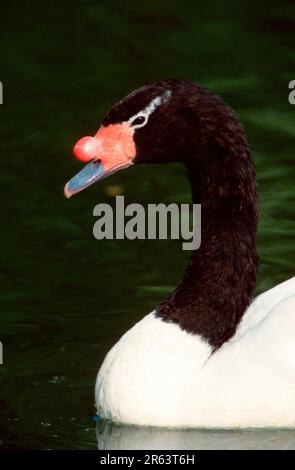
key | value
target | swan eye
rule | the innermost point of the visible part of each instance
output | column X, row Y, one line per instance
column 139, row 121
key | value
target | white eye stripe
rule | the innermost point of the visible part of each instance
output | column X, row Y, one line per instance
column 149, row 109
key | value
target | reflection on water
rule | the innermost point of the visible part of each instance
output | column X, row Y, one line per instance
column 66, row 298
column 116, row 437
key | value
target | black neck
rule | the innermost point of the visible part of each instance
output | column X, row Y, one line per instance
column 220, row 278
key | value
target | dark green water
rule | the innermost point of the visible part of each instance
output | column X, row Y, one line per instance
column 65, row 297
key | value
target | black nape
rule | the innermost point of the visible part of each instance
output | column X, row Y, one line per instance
column 219, row 281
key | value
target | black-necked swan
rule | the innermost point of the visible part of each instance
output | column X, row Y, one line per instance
column 207, row 356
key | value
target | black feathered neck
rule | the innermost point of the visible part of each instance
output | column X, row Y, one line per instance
column 196, row 128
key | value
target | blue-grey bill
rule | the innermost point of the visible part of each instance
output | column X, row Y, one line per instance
column 91, row 173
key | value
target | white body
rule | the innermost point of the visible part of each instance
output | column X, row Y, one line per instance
column 159, row 375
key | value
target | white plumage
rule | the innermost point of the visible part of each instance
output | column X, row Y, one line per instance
column 157, row 374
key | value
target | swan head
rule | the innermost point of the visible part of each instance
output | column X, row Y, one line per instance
column 157, row 123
